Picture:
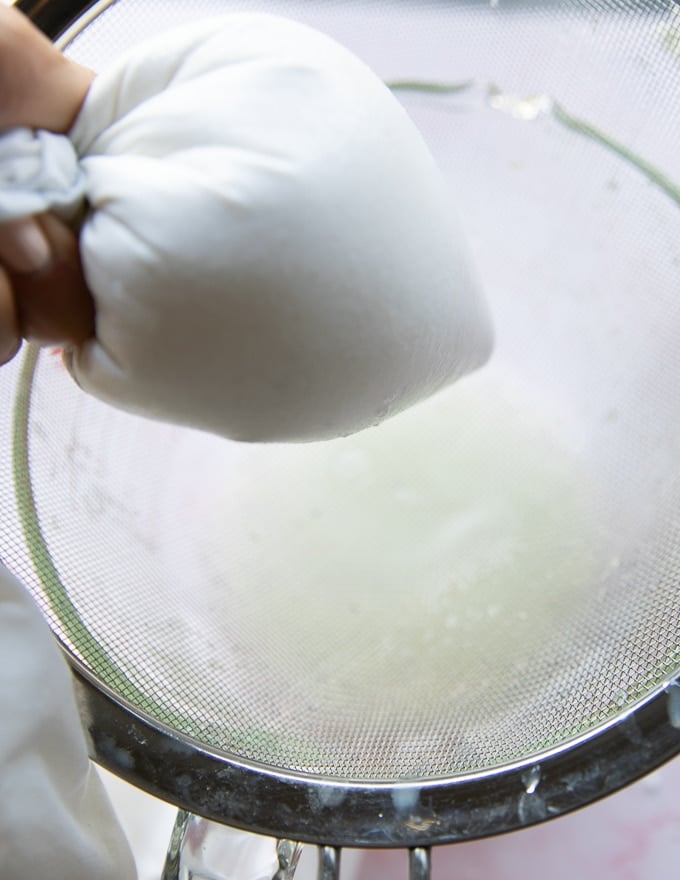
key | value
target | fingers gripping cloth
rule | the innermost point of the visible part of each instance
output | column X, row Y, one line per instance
column 39, row 171
column 55, row 818
column 268, row 241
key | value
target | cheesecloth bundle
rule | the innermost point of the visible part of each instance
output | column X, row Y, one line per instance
column 270, row 246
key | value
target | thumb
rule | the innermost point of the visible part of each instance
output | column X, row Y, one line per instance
column 53, row 304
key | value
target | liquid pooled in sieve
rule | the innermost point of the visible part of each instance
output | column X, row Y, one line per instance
column 418, row 558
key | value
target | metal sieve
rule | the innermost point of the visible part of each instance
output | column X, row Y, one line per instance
column 462, row 622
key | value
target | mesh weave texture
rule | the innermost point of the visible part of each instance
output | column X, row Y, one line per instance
column 486, row 577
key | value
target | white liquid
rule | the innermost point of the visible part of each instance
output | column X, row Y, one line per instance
column 431, row 552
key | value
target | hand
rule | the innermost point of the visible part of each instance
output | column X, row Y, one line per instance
column 43, row 295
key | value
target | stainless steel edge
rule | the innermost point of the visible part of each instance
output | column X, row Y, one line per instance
column 53, row 17
column 398, row 814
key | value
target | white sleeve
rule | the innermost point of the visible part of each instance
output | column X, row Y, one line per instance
column 55, row 817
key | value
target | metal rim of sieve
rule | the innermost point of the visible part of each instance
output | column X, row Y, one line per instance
column 332, row 812
column 405, row 814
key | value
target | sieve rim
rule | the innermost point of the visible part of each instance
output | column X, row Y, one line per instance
column 374, row 815
column 55, row 17
column 403, row 813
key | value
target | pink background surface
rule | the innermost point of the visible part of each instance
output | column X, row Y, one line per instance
column 631, row 835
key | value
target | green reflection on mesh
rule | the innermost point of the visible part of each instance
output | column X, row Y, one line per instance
column 565, row 118
column 92, row 652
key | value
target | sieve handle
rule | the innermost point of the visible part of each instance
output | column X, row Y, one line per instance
column 419, row 863
column 203, row 850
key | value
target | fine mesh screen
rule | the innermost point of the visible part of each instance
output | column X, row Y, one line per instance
column 484, row 577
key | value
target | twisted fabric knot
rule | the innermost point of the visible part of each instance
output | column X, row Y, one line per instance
column 39, row 171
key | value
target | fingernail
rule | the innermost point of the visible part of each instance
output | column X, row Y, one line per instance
column 29, row 250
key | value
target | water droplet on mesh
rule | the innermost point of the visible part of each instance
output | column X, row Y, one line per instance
column 620, row 697
column 405, row 799
column 652, row 784
column 405, row 494
column 525, row 109
column 531, row 779
column 673, row 706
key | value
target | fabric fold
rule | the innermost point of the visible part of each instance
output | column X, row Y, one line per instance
column 55, row 816
column 39, row 171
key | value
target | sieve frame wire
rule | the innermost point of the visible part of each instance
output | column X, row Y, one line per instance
column 54, row 17
column 403, row 813
column 561, row 115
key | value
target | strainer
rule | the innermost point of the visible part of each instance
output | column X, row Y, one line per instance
column 467, row 620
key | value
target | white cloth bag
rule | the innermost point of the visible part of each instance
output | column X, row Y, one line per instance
column 268, row 241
